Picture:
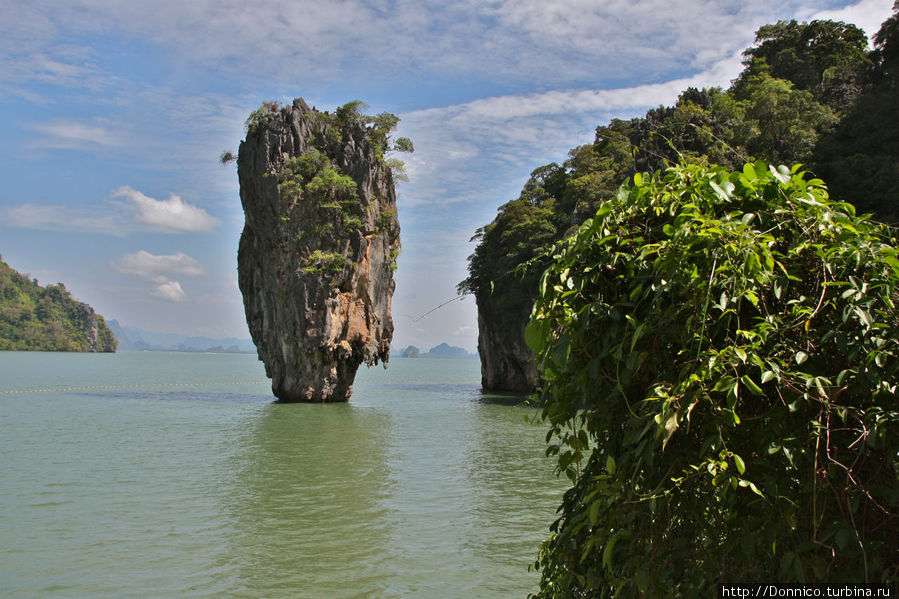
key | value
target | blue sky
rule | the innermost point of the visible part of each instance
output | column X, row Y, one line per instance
column 113, row 114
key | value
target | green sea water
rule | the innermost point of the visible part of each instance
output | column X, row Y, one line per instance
column 152, row 474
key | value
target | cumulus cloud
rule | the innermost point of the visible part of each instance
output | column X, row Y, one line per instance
column 173, row 215
column 136, row 212
column 170, row 291
column 157, row 269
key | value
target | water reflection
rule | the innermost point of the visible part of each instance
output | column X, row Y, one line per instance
column 306, row 504
column 505, row 457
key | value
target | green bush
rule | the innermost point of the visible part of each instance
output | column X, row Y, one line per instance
column 325, row 262
column 719, row 351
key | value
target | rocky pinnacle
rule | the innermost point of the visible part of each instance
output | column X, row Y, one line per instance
column 318, row 249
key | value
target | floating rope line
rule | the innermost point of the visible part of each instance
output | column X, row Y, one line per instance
column 64, row 389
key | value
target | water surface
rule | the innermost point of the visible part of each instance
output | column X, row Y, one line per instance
column 171, row 474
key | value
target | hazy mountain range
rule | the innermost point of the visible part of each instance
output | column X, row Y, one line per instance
column 134, row 339
column 443, row 350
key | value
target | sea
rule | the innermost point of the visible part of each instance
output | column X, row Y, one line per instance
column 166, row 474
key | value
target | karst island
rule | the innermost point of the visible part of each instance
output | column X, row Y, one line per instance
column 319, row 245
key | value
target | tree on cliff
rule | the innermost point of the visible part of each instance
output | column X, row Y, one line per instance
column 720, row 353
column 35, row 318
column 809, row 93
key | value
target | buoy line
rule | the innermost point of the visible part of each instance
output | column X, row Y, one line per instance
column 64, row 389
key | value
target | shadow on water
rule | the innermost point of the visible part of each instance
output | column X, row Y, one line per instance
column 305, row 502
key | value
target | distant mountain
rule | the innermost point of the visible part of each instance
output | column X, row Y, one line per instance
column 134, row 339
column 410, row 352
column 443, row 350
column 35, row 318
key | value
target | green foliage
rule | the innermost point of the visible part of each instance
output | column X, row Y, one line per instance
column 260, row 114
column 385, row 220
column 35, row 318
column 350, row 112
column 319, row 262
column 380, row 126
column 785, row 121
column 792, row 103
column 227, row 157
column 403, row 144
column 312, row 177
column 860, row 158
column 394, row 256
column 826, row 58
column 721, row 359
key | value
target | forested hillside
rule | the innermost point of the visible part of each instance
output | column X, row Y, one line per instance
column 35, row 318
column 810, row 93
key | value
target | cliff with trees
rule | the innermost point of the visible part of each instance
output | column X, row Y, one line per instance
column 35, row 318
column 319, row 244
column 810, row 93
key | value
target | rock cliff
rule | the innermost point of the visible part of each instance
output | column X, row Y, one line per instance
column 318, row 248
column 507, row 363
column 35, row 318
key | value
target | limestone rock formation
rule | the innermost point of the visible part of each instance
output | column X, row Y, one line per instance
column 507, row 363
column 318, row 248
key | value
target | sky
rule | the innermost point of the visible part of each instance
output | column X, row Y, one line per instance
column 113, row 115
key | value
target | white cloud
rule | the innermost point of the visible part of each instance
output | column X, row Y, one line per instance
column 170, row 291
column 173, row 214
column 137, row 212
column 158, row 268
column 563, row 42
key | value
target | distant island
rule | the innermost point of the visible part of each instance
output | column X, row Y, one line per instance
column 135, row 339
column 443, row 350
column 35, row 318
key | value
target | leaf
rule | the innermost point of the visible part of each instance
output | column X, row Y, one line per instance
column 610, row 465
column 718, row 191
column 741, row 466
column 750, row 384
column 670, row 427
column 533, row 336
column 781, row 173
column 593, row 512
column 801, row 357
column 609, row 550
column 740, row 354
column 767, row 376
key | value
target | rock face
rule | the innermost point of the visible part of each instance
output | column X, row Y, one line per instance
column 318, row 249
column 507, row 363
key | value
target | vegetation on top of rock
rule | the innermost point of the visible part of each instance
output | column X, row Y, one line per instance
column 35, row 318
column 720, row 353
